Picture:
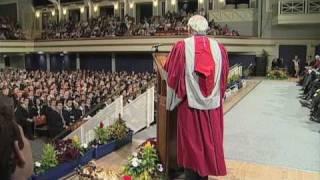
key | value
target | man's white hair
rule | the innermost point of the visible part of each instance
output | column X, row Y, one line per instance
column 199, row 24
column 317, row 57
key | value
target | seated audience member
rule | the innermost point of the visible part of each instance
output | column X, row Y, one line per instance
column 55, row 119
column 316, row 64
column 23, row 117
column 16, row 156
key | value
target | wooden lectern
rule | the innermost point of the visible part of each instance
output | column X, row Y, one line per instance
column 166, row 121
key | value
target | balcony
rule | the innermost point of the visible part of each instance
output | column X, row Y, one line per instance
column 296, row 12
column 234, row 15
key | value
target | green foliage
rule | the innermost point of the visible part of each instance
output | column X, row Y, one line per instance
column 49, row 159
column 119, row 130
column 102, row 134
column 234, row 78
column 277, row 75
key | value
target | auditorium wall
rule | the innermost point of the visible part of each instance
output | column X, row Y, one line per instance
column 285, row 31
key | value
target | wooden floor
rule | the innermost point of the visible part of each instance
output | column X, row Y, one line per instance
column 237, row 170
column 250, row 171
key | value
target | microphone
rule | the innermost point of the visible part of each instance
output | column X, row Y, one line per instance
column 156, row 45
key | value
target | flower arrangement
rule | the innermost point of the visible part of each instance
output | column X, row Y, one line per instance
column 60, row 152
column 102, row 134
column 144, row 164
column 118, row 130
column 277, row 75
column 48, row 160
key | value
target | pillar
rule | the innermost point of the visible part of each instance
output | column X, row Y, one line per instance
column 48, row 61
column 113, row 62
column 156, row 5
column 116, row 7
column 66, row 62
column 2, row 63
column 78, row 62
column 126, row 7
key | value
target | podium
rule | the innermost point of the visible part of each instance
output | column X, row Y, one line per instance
column 166, row 121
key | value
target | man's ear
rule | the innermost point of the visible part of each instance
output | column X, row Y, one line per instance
column 19, row 155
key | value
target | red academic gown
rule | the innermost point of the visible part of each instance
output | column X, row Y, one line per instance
column 200, row 132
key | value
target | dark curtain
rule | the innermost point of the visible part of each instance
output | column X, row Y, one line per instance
column 95, row 61
column 317, row 50
column 134, row 62
column 287, row 52
column 244, row 60
column 36, row 62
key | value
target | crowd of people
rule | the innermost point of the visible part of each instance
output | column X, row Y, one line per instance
column 58, row 100
column 102, row 26
column 310, row 96
column 10, row 30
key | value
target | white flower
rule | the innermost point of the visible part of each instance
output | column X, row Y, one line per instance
column 85, row 145
column 160, row 167
column 37, row 164
column 135, row 162
column 134, row 154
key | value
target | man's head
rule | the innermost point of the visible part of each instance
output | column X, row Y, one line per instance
column 317, row 57
column 198, row 25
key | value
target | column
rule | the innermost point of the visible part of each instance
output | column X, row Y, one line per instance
column 66, row 62
column 155, row 5
column 2, row 63
column 78, row 62
column 116, row 6
column 84, row 13
column 126, row 7
column 113, row 62
column 201, row 4
column 48, row 61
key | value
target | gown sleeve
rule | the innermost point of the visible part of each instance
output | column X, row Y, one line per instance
column 175, row 69
column 225, row 69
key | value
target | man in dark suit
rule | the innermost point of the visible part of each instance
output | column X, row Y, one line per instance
column 55, row 120
column 23, row 118
column 68, row 113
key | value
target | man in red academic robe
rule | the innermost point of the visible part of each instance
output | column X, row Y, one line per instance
column 196, row 72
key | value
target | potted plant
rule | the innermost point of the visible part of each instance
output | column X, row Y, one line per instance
column 121, row 133
column 86, row 151
column 145, row 164
column 103, row 142
column 61, row 158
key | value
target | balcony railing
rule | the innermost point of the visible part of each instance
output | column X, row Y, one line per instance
column 298, row 7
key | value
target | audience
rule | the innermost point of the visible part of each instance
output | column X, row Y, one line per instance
column 9, row 30
column 170, row 24
column 310, row 97
column 61, row 99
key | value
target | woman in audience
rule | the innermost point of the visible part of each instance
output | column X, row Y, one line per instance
column 16, row 157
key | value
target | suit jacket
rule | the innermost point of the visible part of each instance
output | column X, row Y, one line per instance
column 54, row 119
column 21, row 115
